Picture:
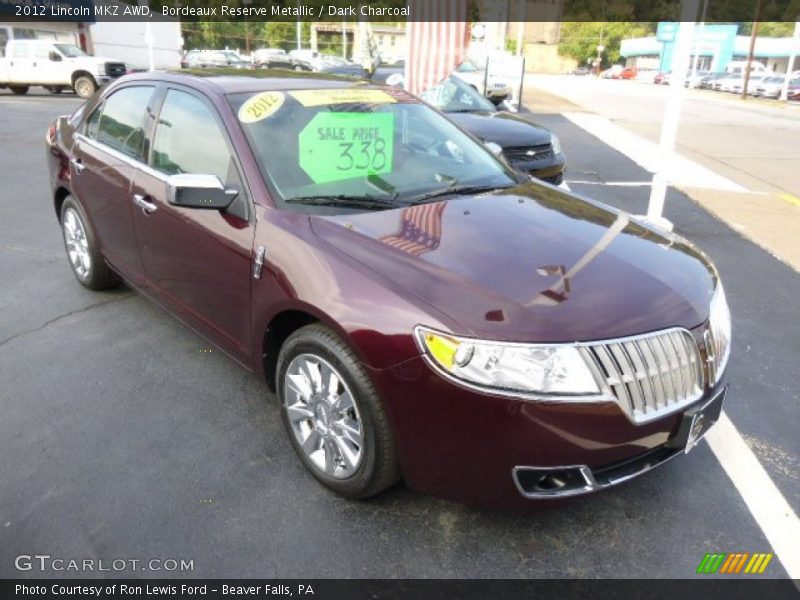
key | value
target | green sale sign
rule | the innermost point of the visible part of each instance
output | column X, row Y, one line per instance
column 343, row 145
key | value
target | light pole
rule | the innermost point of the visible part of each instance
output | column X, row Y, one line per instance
column 790, row 64
column 600, row 49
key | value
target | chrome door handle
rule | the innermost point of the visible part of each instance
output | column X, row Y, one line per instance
column 78, row 165
column 147, row 207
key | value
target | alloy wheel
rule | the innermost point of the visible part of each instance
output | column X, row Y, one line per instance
column 323, row 415
column 77, row 244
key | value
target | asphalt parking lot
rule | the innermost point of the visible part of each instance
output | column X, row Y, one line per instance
column 123, row 435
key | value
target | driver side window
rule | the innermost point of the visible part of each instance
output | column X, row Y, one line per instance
column 119, row 123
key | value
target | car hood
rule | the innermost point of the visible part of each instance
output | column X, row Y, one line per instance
column 502, row 128
column 532, row 264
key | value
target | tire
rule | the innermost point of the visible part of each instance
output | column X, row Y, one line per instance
column 19, row 90
column 298, row 68
column 85, row 86
column 83, row 252
column 320, row 417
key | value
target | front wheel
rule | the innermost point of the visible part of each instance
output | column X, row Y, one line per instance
column 20, row 90
column 85, row 86
column 334, row 418
column 82, row 249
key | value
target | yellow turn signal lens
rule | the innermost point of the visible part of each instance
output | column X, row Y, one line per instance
column 442, row 348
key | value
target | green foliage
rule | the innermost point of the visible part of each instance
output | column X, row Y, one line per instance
column 580, row 40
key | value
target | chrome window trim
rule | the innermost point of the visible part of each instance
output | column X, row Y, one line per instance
column 80, row 137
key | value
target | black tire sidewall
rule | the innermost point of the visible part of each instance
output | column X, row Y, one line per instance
column 360, row 484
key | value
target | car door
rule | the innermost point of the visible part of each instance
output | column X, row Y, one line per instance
column 108, row 147
column 20, row 63
column 197, row 261
column 48, row 70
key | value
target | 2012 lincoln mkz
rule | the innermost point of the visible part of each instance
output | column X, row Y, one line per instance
column 421, row 310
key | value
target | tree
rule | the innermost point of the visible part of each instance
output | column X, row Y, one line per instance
column 580, row 40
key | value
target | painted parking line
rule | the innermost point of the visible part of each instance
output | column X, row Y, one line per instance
column 791, row 199
column 680, row 171
column 769, row 508
column 614, row 183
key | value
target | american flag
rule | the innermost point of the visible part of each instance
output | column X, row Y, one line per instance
column 437, row 33
column 420, row 230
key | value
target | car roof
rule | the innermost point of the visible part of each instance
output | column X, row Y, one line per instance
column 232, row 81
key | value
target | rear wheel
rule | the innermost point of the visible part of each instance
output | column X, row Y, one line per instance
column 85, row 86
column 83, row 251
column 333, row 416
column 20, row 90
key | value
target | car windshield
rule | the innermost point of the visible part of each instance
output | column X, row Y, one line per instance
column 69, row 50
column 347, row 145
column 453, row 95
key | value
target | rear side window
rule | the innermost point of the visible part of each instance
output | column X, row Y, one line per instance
column 188, row 139
column 20, row 51
column 119, row 123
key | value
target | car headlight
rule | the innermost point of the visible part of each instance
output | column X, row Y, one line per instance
column 551, row 369
column 720, row 330
column 555, row 143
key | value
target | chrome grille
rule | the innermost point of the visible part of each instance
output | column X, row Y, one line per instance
column 528, row 153
column 649, row 375
column 115, row 69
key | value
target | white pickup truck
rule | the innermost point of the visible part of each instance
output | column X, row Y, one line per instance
column 56, row 66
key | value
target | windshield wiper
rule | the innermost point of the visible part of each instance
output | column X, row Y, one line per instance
column 457, row 189
column 344, row 200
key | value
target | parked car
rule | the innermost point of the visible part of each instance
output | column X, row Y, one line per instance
column 580, row 71
column 629, row 73
column 344, row 69
column 204, row 59
column 723, row 83
column 771, row 87
column 56, row 66
column 526, row 146
column 419, row 308
column 309, row 60
column 708, row 80
column 793, row 93
column 661, row 78
column 737, row 85
column 393, row 75
column 495, row 88
column 272, row 58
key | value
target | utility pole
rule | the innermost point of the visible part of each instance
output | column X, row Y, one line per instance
column 790, row 64
column 672, row 111
column 693, row 78
column 520, row 25
column 344, row 39
column 299, row 28
column 753, row 36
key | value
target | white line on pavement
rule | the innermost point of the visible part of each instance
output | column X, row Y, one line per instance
column 764, row 500
column 616, row 183
column 680, row 170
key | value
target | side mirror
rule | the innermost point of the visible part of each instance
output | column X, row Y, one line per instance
column 55, row 56
column 199, row 191
column 495, row 149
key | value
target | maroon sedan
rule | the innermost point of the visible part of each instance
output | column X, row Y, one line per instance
column 420, row 309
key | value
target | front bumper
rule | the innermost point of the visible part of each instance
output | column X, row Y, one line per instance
column 471, row 447
column 550, row 169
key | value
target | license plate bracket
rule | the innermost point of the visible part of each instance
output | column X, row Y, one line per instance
column 697, row 421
